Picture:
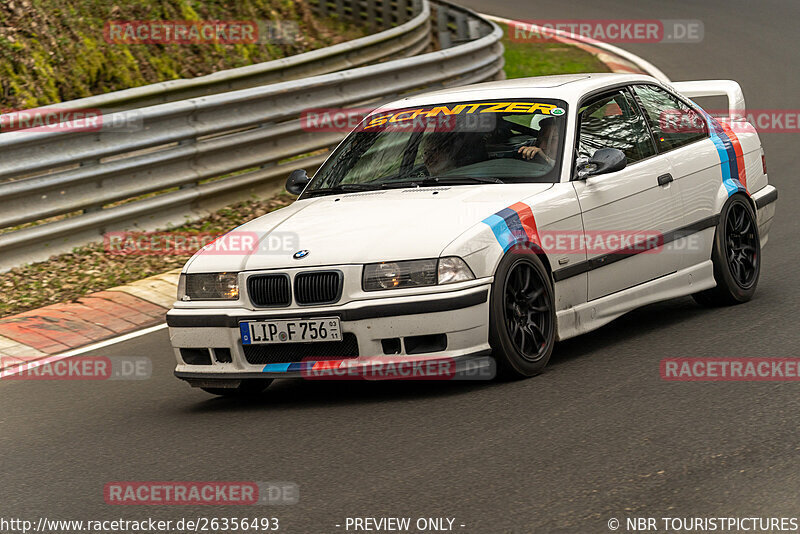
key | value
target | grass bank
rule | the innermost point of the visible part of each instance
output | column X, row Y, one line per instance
column 56, row 50
column 525, row 59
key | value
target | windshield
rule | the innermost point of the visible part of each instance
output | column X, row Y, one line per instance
column 455, row 143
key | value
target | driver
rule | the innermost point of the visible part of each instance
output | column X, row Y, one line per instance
column 546, row 144
column 439, row 152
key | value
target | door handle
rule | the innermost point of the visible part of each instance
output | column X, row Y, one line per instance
column 664, row 179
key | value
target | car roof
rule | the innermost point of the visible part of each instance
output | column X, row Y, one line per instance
column 567, row 87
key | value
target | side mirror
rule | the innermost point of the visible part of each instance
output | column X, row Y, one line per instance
column 297, row 181
column 603, row 161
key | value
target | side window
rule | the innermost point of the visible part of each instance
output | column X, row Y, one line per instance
column 614, row 121
column 674, row 124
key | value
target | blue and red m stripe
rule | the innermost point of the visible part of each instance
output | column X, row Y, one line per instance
column 734, row 175
column 514, row 225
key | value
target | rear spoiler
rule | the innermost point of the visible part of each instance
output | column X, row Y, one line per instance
column 727, row 88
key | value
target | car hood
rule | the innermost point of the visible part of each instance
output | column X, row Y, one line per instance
column 364, row 227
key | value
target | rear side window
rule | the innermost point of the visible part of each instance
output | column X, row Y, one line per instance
column 674, row 124
column 613, row 121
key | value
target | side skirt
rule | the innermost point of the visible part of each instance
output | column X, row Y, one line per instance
column 592, row 315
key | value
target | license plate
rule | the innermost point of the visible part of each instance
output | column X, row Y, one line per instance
column 290, row 331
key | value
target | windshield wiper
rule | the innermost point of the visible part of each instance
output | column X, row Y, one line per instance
column 342, row 188
column 419, row 182
column 441, row 180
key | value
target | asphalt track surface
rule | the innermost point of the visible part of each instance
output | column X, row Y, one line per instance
column 599, row 435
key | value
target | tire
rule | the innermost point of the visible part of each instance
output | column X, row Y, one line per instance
column 736, row 255
column 250, row 387
column 522, row 318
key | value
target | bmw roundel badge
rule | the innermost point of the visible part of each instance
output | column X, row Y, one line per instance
column 300, row 254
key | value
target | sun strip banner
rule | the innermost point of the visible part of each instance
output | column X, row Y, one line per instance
column 396, row 116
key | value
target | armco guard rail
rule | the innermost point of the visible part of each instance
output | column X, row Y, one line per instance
column 188, row 157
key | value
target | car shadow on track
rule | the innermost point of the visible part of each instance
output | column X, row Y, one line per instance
column 299, row 393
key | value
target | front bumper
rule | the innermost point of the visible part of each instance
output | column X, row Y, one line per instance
column 476, row 366
column 461, row 315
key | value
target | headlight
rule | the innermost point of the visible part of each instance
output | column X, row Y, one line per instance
column 182, row 287
column 453, row 269
column 211, row 286
column 415, row 273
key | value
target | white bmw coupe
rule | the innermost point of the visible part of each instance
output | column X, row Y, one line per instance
column 486, row 220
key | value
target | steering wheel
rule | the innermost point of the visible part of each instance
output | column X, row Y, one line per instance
column 419, row 171
column 513, row 153
column 505, row 154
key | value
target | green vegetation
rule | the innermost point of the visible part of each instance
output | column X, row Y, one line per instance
column 542, row 59
column 56, row 50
